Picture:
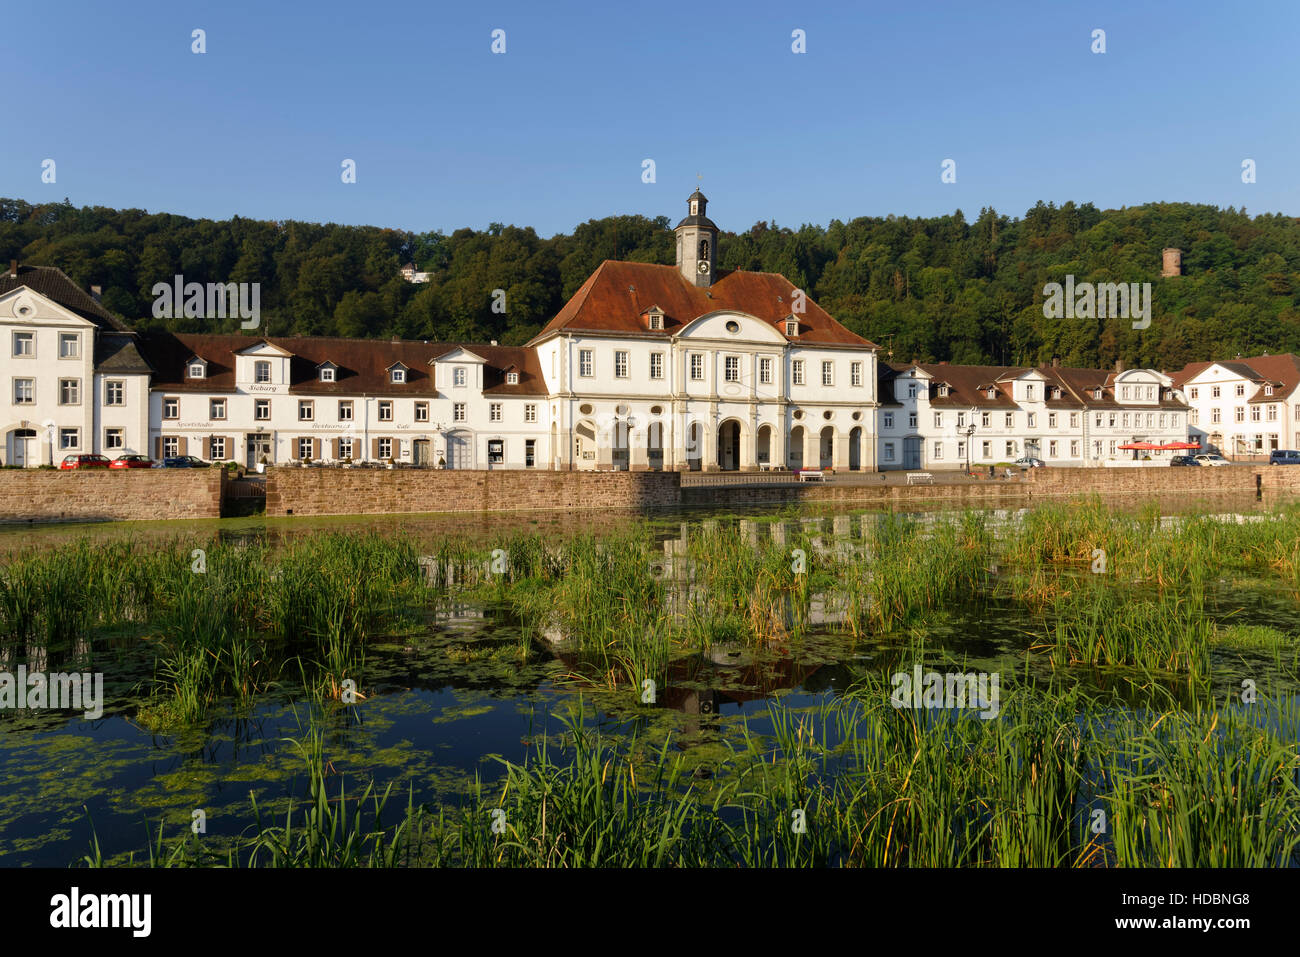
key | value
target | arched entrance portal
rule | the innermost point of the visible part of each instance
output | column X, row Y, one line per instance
column 694, row 447
column 827, row 447
column 855, row 449
column 795, row 457
column 729, row 446
column 763, row 453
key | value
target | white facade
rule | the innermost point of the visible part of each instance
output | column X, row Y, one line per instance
column 1245, row 407
column 54, row 402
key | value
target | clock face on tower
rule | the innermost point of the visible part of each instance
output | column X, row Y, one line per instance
column 703, row 268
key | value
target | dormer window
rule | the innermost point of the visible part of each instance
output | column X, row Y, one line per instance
column 1096, row 393
column 943, row 390
column 197, row 369
column 512, row 378
column 992, row 392
column 1029, row 392
column 792, row 327
column 654, row 319
column 397, row 375
column 327, row 374
column 1268, row 390
column 458, row 377
column 261, row 371
column 1056, row 393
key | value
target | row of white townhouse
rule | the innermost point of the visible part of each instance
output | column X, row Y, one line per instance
column 646, row 367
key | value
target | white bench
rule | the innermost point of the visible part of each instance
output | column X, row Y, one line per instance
column 812, row 475
column 920, row 478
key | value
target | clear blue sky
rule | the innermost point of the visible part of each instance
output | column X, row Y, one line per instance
column 552, row 133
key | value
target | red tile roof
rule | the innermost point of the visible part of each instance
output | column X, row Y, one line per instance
column 615, row 297
column 363, row 364
column 1281, row 371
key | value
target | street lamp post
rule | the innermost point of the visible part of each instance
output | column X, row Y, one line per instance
column 969, row 431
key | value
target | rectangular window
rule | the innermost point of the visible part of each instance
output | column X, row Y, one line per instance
column 261, row 372
column 855, row 373
column 1051, row 420
column 458, row 412
column 731, row 368
column 385, row 448
column 1194, row 392
column 1239, row 414
column 1272, row 413
column 1029, row 393
column 1214, row 392
column 1010, row 420
column 345, row 448
column 306, row 410
column 24, row 391
column 458, row 377
column 911, row 390
column 530, row 453
column 69, row 392
column 496, row 451
column 345, row 410
column 327, row 374
column 1051, row 449
column 656, row 365
column 938, row 420
column 796, row 372
column 961, row 449
column 530, row 413
column 1254, row 413
column 115, row 392
column 24, row 345
column 69, row 345
column 1215, row 417
column 1111, row 419
column 262, row 410
column 911, row 420
column 1162, row 420
column 1009, row 449
column 620, row 364
column 697, row 366
column 1074, row 420
column 1032, row 418
column 171, row 446
column 216, row 408
column 986, row 419
column 1074, row 448
column 889, row 420
column 217, row 448
column 765, row 370
column 114, row 439
column 938, row 450
column 986, row 450
column 385, row 410
column 1124, row 419
column 828, row 374
column 889, row 451
column 421, row 412
column 304, row 448
column 585, row 362
column 494, row 412
column 171, row 407
column 69, row 438
column 1241, row 388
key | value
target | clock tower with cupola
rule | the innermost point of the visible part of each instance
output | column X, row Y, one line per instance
column 697, row 243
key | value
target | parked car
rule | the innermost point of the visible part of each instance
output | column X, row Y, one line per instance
column 131, row 462
column 1184, row 460
column 1029, row 462
column 84, row 461
column 1211, row 459
column 181, row 462
column 1284, row 457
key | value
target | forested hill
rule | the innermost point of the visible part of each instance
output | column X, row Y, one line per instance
column 930, row 289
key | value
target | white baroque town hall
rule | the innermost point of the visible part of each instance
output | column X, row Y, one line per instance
column 683, row 367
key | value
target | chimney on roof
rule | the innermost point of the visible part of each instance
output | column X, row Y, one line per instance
column 396, row 339
column 13, row 268
column 96, row 292
column 1119, row 366
column 1056, row 362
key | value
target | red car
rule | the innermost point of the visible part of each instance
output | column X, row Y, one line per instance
column 88, row 461
column 131, row 462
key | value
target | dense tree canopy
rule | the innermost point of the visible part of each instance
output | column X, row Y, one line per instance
column 924, row 288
